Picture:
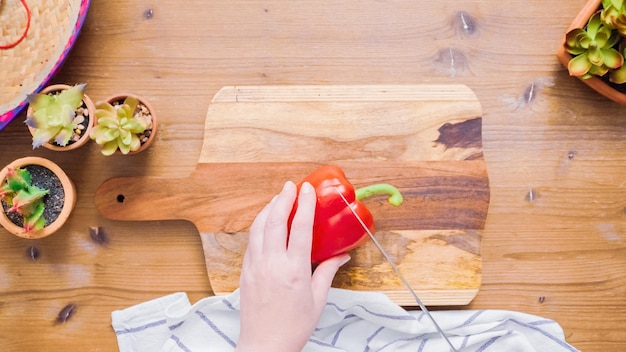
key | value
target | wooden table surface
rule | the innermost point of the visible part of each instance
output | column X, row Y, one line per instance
column 555, row 151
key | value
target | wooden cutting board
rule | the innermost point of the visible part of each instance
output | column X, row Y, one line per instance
column 424, row 139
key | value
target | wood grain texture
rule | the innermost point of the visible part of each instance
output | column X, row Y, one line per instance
column 333, row 123
column 416, row 137
column 438, row 195
column 558, row 254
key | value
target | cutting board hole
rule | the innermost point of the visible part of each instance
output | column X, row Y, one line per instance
column 120, row 198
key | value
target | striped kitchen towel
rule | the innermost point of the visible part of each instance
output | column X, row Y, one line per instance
column 352, row 321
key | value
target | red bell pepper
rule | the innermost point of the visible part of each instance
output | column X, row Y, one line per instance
column 335, row 228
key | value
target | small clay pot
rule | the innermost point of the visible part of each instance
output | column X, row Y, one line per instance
column 596, row 83
column 144, row 145
column 90, row 123
column 68, row 204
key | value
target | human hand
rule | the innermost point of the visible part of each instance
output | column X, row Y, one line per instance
column 280, row 300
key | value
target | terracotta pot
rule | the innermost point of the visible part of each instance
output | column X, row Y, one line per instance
column 145, row 145
column 68, row 205
column 596, row 83
column 85, row 137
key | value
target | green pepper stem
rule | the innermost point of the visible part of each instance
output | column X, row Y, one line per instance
column 395, row 197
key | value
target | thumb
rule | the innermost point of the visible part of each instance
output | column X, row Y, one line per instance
column 323, row 277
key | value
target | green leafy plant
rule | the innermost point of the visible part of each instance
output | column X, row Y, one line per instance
column 119, row 126
column 54, row 116
column 24, row 198
column 613, row 15
column 598, row 49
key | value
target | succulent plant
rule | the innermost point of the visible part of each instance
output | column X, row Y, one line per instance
column 24, row 198
column 613, row 15
column 119, row 126
column 54, row 116
column 593, row 49
column 618, row 75
column 599, row 49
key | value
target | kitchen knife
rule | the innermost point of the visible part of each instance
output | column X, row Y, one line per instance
column 397, row 271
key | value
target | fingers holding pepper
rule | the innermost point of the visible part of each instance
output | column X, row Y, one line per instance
column 301, row 232
column 277, row 291
column 275, row 231
column 255, row 239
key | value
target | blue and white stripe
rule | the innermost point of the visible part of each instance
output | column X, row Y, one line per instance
column 351, row 321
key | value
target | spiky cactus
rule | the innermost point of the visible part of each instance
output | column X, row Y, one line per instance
column 24, row 198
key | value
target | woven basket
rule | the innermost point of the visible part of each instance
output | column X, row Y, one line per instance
column 28, row 67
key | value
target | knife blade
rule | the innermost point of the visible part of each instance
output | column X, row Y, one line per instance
column 398, row 273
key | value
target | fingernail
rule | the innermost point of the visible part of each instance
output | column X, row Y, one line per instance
column 345, row 260
column 306, row 188
column 288, row 186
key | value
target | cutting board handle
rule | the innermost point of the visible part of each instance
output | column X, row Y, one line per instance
column 144, row 198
